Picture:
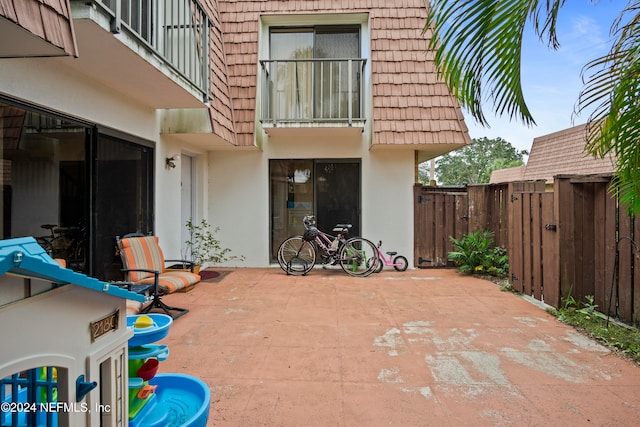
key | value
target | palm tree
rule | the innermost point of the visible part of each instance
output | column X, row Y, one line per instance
column 478, row 48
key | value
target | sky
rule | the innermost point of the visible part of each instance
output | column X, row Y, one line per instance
column 552, row 79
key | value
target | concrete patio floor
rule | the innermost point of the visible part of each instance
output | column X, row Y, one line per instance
column 418, row 348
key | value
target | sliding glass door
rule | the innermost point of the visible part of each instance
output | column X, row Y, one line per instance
column 316, row 73
column 328, row 189
column 73, row 186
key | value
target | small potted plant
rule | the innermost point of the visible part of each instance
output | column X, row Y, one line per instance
column 202, row 246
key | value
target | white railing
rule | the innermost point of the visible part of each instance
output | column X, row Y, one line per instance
column 178, row 31
column 312, row 90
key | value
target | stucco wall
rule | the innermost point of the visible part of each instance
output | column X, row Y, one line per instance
column 239, row 193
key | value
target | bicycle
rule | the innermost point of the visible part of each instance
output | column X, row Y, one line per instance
column 396, row 261
column 68, row 243
column 55, row 244
column 298, row 254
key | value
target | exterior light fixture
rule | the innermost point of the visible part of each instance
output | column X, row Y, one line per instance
column 170, row 162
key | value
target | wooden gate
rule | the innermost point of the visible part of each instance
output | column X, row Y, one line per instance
column 533, row 244
column 439, row 212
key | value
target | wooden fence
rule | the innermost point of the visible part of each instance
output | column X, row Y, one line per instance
column 574, row 240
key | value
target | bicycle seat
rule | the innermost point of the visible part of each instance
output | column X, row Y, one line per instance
column 341, row 227
column 49, row 226
column 392, row 253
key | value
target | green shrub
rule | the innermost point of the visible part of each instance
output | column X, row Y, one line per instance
column 474, row 254
column 497, row 262
column 584, row 317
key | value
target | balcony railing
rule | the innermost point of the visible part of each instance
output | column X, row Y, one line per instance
column 312, row 90
column 178, row 31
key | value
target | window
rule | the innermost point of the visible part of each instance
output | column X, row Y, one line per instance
column 315, row 73
column 34, row 389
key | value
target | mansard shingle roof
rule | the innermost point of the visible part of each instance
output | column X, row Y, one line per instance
column 507, row 175
column 563, row 153
column 50, row 20
column 410, row 104
column 558, row 153
column 220, row 106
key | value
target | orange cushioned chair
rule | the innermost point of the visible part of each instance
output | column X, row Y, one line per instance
column 144, row 262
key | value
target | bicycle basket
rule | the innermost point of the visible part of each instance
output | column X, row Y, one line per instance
column 310, row 233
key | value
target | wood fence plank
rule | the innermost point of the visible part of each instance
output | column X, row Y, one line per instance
column 494, row 212
column 503, row 205
column 526, row 243
column 536, row 245
column 578, row 241
column 425, row 218
column 611, row 232
column 636, row 269
column 461, row 224
column 550, row 258
column 587, row 232
column 477, row 211
column 516, row 269
column 563, row 207
column 600, row 245
column 625, row 283
column 420, row 230
column 440, row 232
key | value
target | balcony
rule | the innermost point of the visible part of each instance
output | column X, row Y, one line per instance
column 312, row 94
column 155, row 51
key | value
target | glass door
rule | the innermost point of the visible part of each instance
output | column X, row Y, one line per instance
column 123, row 185
column 291, row 192
column 338, row 194
column 328, row 189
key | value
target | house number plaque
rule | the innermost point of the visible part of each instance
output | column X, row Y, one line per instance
column 104, row 325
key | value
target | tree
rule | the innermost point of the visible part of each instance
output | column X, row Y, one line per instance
column 474, row 163
column 478, row 45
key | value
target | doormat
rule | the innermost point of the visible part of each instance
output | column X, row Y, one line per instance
column 212, row 275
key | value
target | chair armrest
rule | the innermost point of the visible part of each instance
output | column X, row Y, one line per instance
column 155, row 273
column 142, row 289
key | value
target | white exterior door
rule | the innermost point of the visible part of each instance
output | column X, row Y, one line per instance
column 186, row 197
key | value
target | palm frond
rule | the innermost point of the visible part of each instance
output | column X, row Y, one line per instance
column 612, row 89
column 478, row 46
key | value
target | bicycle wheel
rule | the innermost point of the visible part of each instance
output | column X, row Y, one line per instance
column 401, row 263
column 380, row 266
column 359, row 257
column 296, row 256
column 79, row 258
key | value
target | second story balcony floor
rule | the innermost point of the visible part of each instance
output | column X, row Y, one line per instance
column 157, row 51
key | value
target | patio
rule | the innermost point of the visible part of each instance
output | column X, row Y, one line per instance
column 418, row 348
